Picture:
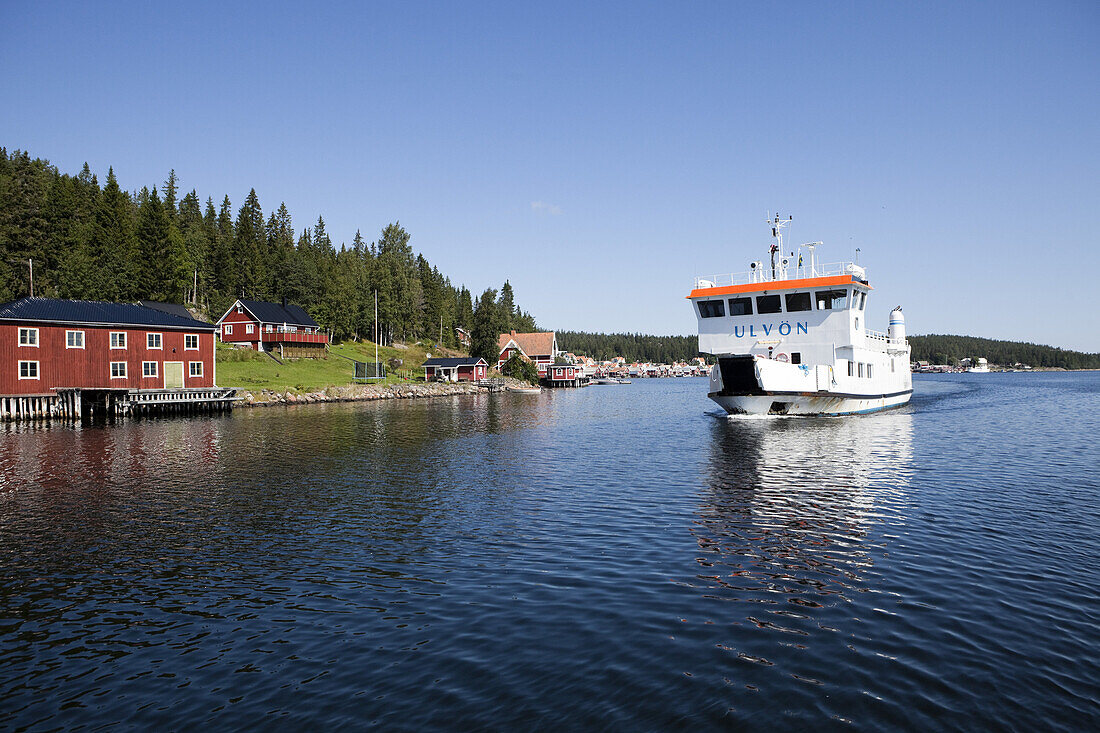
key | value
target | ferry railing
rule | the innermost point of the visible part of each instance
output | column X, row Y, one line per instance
column 790, row 272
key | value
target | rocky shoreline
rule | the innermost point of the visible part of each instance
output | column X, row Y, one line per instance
column 361, row 393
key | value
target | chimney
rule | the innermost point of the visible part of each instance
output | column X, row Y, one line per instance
column 513, row 332
column 284, row 301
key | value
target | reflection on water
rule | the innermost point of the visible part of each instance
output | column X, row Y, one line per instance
column 784, row 531
column 797, row 494
column 577, row 559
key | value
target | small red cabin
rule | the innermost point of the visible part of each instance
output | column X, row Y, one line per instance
column 283, row 328
column 564, row 375
column 48, row 344
column 458, row 369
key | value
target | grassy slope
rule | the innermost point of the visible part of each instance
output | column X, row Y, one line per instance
column 252, row 370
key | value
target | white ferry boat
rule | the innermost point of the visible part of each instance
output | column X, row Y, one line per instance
column 981, row 366
column 792, row 339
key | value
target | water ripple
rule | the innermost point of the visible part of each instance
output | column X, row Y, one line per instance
column 604, row 558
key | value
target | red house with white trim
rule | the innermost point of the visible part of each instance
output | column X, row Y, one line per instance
column 541, row 348
column 455, row 369
column 284, row 328
column 48, row 345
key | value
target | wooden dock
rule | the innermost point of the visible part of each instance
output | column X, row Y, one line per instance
column 79, row 404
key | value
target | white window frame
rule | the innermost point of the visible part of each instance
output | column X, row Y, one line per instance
column 72, row 346
column 31, row 342
column 249, row 328
column 191, row 369
column 227, row 329
column 118, row 339
column 37, row 370
column 123, row 370
column 145, row 372
column 187, row 337
column 160, row 340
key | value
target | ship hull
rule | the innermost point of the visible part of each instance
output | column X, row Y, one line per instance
column 808, row 404
column 744, row 385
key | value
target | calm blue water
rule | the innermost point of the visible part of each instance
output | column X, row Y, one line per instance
column 613, row 557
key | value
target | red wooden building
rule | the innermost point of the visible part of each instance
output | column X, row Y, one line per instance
column 284, row 328
column 50, row 346
column 456, row 369
column 541, row 348
column 564, row 375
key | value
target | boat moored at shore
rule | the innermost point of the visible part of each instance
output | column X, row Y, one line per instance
column 792, row 339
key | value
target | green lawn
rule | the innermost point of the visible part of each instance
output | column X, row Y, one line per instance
column 252, row 370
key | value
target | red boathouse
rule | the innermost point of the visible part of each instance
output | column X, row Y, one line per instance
column 57, row 355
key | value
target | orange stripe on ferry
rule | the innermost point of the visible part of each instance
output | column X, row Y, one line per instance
column 806, row 282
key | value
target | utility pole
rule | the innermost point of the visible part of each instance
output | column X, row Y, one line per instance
column 376, row 369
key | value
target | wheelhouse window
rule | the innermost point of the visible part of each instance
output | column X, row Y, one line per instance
column 153, row 340
column 194, row 369
column 711, row 309
column 148, row 369
column 862, row 300
column 798, row 302
column 191, row 342
column 768, row 304
column 74, row 339
column 118, row 339
column 118, row 370
column 28, row 370
column 28, row 337
column 831, row 300
column 740, row 306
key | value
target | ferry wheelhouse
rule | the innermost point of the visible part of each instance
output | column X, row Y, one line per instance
column 792, row 339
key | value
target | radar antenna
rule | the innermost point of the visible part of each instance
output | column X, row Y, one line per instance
column 777, row 225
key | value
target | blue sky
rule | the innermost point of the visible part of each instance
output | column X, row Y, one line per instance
column 599, row 156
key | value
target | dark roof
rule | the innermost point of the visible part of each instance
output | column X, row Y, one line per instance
column 290, row 314
column 95, row 312
column 174, row 308
column 454, row 362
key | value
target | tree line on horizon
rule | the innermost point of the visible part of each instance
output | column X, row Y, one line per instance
column 948, row 349
column 90, row 242
column 634, row 347
column 934, row 348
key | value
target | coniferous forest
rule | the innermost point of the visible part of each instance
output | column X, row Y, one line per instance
column 634, row 347
column 100, row 242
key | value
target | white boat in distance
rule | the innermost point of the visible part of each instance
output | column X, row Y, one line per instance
column 792, row 339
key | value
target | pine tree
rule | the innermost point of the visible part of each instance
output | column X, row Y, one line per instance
column 171, row 189
column 485, row 335
column 224, row 269
column 111, row 243
column 507, row 305
column 251, row 242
